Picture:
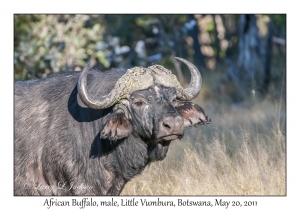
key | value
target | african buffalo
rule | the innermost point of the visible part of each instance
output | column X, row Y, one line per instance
column 90, row 132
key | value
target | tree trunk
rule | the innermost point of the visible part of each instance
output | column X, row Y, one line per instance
column 250, row 63
column 269, row 50
column 198, row 56
column 249, row 72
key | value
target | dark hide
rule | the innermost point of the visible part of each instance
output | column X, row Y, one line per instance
column 64, row 148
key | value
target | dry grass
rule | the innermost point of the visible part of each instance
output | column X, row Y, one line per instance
column 241, row 153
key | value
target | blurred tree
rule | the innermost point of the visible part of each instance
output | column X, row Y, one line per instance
column 194, row 33
column 252, row 69
column 44, row 44
column 52, row 43
column 269, row 49
column 251, row 51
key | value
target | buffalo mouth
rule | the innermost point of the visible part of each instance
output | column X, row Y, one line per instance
column 166, row 140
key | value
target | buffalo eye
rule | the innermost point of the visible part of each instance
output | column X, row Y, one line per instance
column 139, row 103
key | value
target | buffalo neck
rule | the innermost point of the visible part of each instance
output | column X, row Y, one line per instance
column 129, row 155
column 122, row 159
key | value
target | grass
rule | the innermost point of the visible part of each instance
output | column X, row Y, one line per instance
column 243, row 152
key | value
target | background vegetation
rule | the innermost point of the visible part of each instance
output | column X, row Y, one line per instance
column 242, row 59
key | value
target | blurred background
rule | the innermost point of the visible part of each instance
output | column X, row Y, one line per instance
column 242, row 59
column 246, row 51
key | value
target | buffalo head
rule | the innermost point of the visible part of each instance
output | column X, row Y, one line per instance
column 149, row 104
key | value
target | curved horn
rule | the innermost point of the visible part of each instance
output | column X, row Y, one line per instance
column 101, row 103
column 193, row 90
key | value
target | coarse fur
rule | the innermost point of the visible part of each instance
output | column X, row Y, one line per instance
column 63, row 147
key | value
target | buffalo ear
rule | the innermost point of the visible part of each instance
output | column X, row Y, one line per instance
column 116, row 126
column 192, row 114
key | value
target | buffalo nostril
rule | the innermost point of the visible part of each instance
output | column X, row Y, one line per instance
column 166, row 125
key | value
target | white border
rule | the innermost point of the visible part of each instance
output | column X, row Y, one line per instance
column 8, row 8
